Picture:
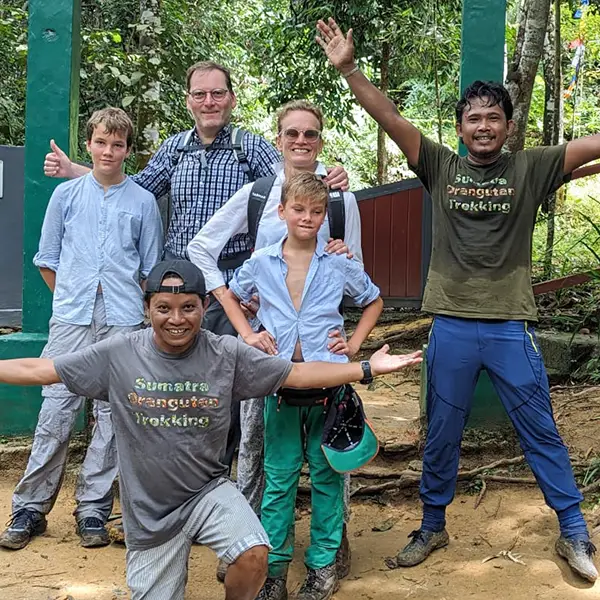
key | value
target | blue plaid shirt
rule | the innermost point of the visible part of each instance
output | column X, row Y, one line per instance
column 201, row 182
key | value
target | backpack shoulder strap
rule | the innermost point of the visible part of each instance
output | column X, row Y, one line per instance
column 237, row 143
column 182, row 143
column 259, row 194
column 336, row 211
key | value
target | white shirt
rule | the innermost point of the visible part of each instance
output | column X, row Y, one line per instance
column 232, row 218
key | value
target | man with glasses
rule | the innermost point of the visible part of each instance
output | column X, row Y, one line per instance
column 201, row 175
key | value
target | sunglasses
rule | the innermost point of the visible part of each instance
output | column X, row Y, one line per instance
column 310, row 135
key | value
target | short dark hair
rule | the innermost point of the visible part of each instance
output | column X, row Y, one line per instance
column 208, row 65
column 491, row 91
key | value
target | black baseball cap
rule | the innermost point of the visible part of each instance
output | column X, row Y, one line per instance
column 193, row 280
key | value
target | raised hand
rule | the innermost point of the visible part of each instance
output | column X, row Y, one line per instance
column 339, row 48
column 383, row 362
column 57, row 163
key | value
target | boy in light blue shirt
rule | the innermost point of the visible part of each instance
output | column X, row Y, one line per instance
column 301, row 288
column 101, row 235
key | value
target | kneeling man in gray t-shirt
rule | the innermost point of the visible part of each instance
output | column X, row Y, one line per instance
column 170, row 389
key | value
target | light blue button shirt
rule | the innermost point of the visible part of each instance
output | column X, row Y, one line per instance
column 330, row 277
column 91, row 237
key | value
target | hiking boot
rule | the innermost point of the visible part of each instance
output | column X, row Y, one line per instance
column 222, row 567
column 579, row 554
column 423, row 543
column 23, row 525
column 320, row 584
column 92, row 532
column 274, row 589
column 343, row 556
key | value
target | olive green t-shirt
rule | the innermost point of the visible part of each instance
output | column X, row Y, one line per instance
column 483, row 220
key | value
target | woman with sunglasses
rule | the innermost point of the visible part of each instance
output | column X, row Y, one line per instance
column 300, row 141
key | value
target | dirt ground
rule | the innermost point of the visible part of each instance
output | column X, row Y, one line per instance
column 509, row 517
column 55, row 567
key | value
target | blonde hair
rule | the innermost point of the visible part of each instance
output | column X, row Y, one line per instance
column 115, row 120
column 305, row 185
column 294, row 105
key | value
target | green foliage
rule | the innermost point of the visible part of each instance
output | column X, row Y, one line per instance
column 135, row 54
column 13, row 49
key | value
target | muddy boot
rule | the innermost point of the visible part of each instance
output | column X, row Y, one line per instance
column 579, row 554
column 92, row 532
column 343, row 556
column 423, row 543
column 221, row 573
column 274, row 589
column 23, row 525
column 320, row 584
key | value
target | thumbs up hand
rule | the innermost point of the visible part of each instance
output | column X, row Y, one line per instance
column 57, row 163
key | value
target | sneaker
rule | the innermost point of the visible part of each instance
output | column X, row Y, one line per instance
column 222, row 567
column 23, row 525
column 275, row 588
column 423, row 543
column 92, row 532
column 580, row 556
column 320, row 584
column 343, row 556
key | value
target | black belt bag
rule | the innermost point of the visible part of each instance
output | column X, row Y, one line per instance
column 309, row 397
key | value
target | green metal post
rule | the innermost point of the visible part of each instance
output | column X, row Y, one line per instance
column 482, row 57
column 51, row 112
column 482, row 44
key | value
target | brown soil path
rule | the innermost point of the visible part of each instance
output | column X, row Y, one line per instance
column 54, row 566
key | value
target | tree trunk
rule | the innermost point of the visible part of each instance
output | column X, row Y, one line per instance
column 533, row 22
column 384, row 84
column 553, row 120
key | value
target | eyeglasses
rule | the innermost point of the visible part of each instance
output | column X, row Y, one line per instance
column 199, row 96
column 310, row 135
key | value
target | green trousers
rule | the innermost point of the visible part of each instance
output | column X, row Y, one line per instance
column 291, row 434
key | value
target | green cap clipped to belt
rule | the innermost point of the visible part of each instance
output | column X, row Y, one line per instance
column 348, row 441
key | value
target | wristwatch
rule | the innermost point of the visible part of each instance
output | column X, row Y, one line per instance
column 367, row 373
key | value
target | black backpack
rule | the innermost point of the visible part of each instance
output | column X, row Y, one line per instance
column 259, row 194
column 236, row 143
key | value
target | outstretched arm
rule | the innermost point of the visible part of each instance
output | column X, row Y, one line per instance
column 340, row 52
column 28, row 371
column 581, row 151
column 326, row 374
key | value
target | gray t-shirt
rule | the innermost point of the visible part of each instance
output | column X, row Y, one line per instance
column 171, row 416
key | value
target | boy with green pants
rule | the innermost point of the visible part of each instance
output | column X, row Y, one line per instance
column 301, row 289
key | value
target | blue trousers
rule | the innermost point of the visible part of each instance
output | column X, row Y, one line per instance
column 458, row 350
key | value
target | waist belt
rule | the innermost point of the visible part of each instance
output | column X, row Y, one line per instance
column 234, row 261
column 306, row 397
